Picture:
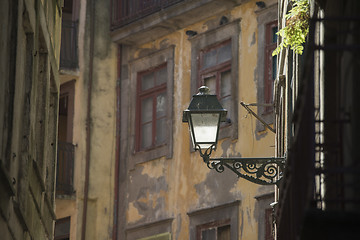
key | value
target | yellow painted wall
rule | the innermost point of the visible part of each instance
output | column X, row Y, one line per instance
column 187, row 184
column 186, row 170
column 99, row 219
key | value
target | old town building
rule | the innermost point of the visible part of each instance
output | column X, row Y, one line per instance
column 317, row 126
column 29, row 93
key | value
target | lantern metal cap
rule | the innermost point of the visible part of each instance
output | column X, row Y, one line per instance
column 203, row 102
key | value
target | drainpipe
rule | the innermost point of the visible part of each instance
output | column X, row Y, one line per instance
column 88, row 118
column 117, row 147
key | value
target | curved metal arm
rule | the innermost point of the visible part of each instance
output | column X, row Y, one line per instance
column 264, row 171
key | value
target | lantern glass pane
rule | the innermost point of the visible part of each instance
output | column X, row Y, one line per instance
column 205, row 127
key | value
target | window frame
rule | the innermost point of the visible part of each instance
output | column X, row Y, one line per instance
column 264, row 16
column 143, row 94
column 68, row 89
column 216, row 224
column 205, row 41
column 268, row 66
column 146, row 62
column 226, row 214
column 214, row 70
column 62, row 221
column 269, row 224
column 263, row 204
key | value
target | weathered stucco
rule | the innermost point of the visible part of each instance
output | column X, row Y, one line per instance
column 168, row 189
column 29, row 93
column 102, row 124
column 172, row 188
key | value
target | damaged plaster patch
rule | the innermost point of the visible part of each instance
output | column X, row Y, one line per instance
column 133, row 214
column 148, row 192
column 154, row 169
column 253, row 41
column 228, row 147
column 216, row 189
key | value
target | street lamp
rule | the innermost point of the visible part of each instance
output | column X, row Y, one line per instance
column 204, row 115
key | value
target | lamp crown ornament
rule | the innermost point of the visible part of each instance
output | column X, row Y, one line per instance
column 203, row 90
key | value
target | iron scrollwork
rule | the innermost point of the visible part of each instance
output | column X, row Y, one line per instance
column 264, row 171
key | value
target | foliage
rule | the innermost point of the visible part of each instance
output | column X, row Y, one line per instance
column 296, row 29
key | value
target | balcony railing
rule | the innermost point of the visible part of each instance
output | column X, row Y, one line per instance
column 65, row 169
column 69, row 45
column 127, row 11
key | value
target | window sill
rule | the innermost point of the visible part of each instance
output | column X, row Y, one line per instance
column 151, row 154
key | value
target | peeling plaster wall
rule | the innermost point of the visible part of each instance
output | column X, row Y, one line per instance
column 163, row 188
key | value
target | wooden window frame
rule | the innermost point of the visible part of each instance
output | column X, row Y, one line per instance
column 68, row 89
column 226, row 214
column 268, row 224
column 215, row 70
column 144, row 63
column 205, row 41
column 216, row 225
column 143, row 94
column 270, row 46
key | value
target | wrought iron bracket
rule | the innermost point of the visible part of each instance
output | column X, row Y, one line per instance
column 246, row 106
column 263, row 171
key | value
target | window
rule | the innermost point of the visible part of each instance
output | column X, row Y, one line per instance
column 151, row 112
column 66, row 150
column 150, row 105
column 214, row 56
column 215, row 223
column 215, row 72
column 270, row 63
column 266, row 65
column 214, row 231
column 156, row 230
column 62, row 229
column 163, row 236
column 268, row 224
column 265, row 214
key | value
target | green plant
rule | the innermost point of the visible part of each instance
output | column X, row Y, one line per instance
column 296, row 29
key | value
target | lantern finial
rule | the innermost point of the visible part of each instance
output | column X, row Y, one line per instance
column 203, row 90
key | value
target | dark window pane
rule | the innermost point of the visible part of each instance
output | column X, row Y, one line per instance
column 146, row 110
column 161, row 76
column 146, row 133
column 273, row 34
column 268, row 224
column 161, row 105
column 224, row 233
column 274, row 65
column 62, row 228
column 63, row 105
column 225, row 84
column 147, row 81
column 209, row 59
column 161, row 130
column 224, row 53
column 226, row 103
column 208, row 234
column 210, row 82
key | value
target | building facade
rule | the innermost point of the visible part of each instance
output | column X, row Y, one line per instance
column 29, row 93
column 126, row 167
column 317, row 124
column 87, row 115
column 166, row 51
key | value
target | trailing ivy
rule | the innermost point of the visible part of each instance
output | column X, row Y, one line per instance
column 296, row 29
